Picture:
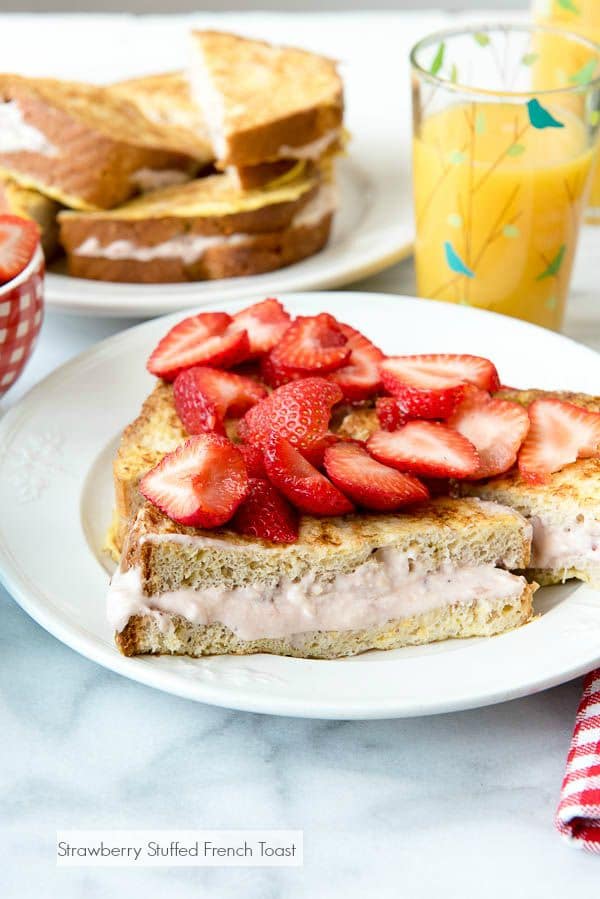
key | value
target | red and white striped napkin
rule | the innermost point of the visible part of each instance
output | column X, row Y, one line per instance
column 578, row 814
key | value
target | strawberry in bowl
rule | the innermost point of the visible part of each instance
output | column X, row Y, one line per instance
column 21, row 295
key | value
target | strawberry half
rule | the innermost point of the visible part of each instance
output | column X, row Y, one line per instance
column 199, row 484
column 300, row 482
column 438, row 371
column 265, row 323
column 312, row 343
column 18, row 239
column 204, row 396
column 203, row 339
column 496, row 428
column 276, row 375
column 253, row 457
column 315, row 451
column 360, row 377
column 369, row 483
column 427, row 448
column 391, row 413
column 299, row 411
column 264, row 513
column 560, row 433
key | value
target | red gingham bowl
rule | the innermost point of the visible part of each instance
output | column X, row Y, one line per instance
column 21, row 311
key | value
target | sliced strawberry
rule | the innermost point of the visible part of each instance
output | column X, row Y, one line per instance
column 253, row 458
column 276, row 375
column 312, row 343
column 300, row 482
column 299, row 411
column 18, row 239
column 315, row 451
column 204, row 396
column 560, row 433
column 264, row 513
column 265, row 323
column 412, row 402
column 391, row 413
column 369, row 483
column 199, row 484
column 438, row 371
column 496, row 428
column 427, row 448
column 360, row 377
column 203, row 339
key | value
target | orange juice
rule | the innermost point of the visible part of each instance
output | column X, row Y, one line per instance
column 583, row 17
column 499, row 194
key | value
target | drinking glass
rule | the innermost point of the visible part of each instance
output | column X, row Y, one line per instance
column 503, row 156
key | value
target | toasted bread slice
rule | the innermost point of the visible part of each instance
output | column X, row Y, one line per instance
column 348, row 585
column 165, row 100
column 564, row 512
column 79, row 143
column 31, row 204
column 263, row 103
column 208, row 228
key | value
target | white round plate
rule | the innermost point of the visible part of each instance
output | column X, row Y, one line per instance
column 56, row 500
column 372, row 229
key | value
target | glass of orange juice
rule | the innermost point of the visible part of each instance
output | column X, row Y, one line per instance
column 503, row 161
column 582, row 16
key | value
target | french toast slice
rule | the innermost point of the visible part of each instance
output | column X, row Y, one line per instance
column 346, row 586
column 567, row 506
column 262, row 102
column 207, row 228
column 31, row 204
column 80, row 144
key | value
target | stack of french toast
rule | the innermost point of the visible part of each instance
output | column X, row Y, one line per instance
column 222, row 170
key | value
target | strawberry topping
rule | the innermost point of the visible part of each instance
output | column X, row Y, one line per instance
column 495, row 427
column 313, row 343
column 560, row 433
column 305, row 486
column 360, row 377
column 204, row 396
column 391, row 413
column 426, row 448
column 266, row 514
column 18, row 239
column 265, row 323
column 199, row 484
column 438, row 371
column 253, row 457
column 299, row 411
column 203, row 339
column 275, row 374
column 369, row 483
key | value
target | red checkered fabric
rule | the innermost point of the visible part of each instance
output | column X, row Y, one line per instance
column 578, row 815
column 21, row 311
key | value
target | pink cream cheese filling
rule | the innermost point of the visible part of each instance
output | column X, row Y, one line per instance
column 384, row 588
column 570, row 544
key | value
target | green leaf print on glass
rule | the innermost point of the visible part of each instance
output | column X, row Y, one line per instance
column 594, row 117
column 511, row 231
column 481, row 38
column 585, row 73
column 540, row 117
column 553, row 267
column 530, row 58
column 480, row 123
column 456, row 157
column 454, row 74
column 438, row 60
column 455, row 263
column 569, row 6
column 515, row 150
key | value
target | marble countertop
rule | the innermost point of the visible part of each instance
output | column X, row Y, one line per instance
column 459, row 803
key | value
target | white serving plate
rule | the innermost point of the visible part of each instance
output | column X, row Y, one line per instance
column 56, row 501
